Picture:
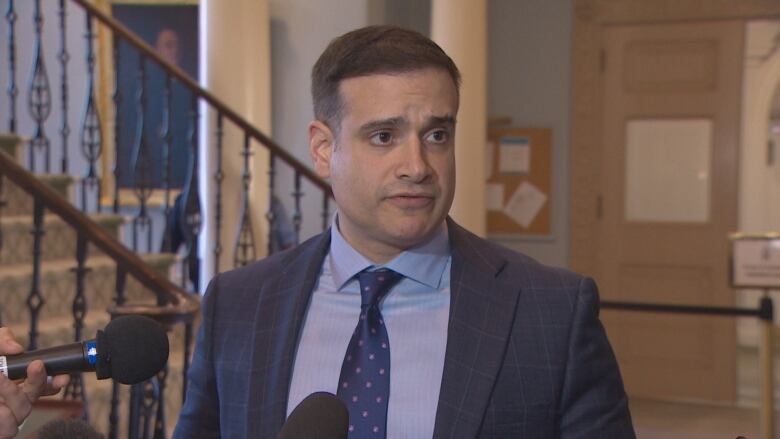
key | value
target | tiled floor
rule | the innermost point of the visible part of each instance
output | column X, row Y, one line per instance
column 667, row 420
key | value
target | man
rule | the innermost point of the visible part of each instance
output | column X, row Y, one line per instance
column 466, row 338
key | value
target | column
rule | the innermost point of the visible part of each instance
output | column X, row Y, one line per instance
column 234, row 66
column 460, row 28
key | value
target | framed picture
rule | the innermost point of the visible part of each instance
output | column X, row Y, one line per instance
column 171, row 28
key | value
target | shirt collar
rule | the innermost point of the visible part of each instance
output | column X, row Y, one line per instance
column 424, row 263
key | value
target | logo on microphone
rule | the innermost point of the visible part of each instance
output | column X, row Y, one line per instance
column 92, row 352
column 3, row 365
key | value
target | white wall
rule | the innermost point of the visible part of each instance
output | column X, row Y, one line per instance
column 529, row 56
column 300, row 31
column 759, row 184
column 76, row 70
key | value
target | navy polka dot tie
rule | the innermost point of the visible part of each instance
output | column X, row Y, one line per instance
column 364, row 383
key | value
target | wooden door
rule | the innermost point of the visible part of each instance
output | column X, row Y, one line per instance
column 669, row 180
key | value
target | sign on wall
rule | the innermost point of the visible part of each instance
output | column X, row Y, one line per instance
column 755, row 260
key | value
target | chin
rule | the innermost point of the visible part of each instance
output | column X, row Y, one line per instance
column 409, row 237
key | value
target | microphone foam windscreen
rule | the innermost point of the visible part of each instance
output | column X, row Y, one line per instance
column 73, row 428
column 136, row 348
column 320, row 415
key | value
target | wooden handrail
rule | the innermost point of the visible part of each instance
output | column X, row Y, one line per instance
column 195, row 88
column 182, row 305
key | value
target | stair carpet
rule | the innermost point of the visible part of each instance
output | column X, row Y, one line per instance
column 58, row 289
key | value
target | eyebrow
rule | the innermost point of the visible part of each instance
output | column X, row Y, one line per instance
column 395, row 122
column 391, row 122
column 447, row 119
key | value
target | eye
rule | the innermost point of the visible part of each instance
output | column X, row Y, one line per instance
column 381, row 138
column 437, row 136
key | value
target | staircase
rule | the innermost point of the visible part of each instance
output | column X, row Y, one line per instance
column 58, row 286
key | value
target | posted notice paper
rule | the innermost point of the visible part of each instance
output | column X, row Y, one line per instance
column 525, row 204
column 515, row 155
column 494, row 197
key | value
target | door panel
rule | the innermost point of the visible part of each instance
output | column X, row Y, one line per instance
column 669, row 173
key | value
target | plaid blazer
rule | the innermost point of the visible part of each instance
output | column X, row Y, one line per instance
column 526, row 355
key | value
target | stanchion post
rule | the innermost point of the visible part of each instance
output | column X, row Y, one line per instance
column 767, row 368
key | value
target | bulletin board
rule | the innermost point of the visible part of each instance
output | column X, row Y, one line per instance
column 519, row 181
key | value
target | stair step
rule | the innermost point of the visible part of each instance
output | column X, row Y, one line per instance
column 57, row 286
column 19, row 202
column 59, row 240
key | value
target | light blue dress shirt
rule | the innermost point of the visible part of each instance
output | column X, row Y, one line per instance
column 416, row 313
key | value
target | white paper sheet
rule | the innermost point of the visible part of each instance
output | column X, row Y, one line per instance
column 494, row 196
column 525, row 204
column 490, row 149
column 515, row 155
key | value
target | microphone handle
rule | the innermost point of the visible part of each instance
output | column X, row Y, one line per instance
column 74, row 357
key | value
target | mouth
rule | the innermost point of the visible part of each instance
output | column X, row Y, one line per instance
column 410, row 200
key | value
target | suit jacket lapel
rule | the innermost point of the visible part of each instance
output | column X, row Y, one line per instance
column 278, row 321
column 482, row 311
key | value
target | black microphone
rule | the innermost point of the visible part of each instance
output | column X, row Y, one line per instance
column 320, row 415
column 73, row 428
column 130, row 350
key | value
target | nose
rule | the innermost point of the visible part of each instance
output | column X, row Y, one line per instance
column 413, row 165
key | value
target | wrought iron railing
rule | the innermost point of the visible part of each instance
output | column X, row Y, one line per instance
column 174, row 306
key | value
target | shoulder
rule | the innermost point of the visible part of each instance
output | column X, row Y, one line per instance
column 270, row 267
column 510, row 265
column 244, row 285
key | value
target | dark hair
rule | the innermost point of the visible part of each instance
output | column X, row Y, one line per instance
column 371, row 50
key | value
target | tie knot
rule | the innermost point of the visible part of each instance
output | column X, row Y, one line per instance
column 375, row 284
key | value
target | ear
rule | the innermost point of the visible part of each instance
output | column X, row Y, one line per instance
column 321, row 144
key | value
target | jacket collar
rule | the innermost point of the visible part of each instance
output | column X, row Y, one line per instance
column 482, row 312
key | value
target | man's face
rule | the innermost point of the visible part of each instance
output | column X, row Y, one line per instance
column 392, row 162
column 168, row 45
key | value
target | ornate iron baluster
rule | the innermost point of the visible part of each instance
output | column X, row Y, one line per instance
column 159, row 420
column 64, row 57
column 325, row 211
column 75, row 388
column 143, row 397
column 166, row 135
column 297, row 217
column 2, row 205
column 191, row 212
column 191, row 225
column 113, row 417
column 91, row 131
column 141, row 164
column 117, row 98
column 244, row 252
column 188, row 334
column 218, row 177
column 39, row 101
column 35, row 300
column 12, row 90
column 270, row 216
